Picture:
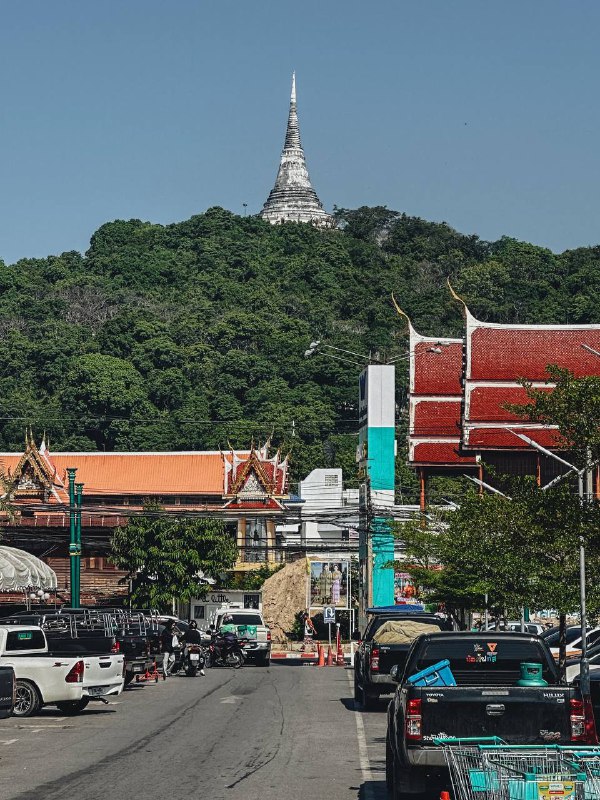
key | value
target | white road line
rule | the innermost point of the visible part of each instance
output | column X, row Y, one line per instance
column 363, row 753
column 232, row 698
column 8, row 741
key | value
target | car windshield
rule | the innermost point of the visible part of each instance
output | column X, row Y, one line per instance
column 246, row 619
column 572, row 635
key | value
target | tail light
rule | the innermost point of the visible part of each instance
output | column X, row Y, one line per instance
column 577, row 721
column 375, row 659
column 268, row 636
column 414, row 720
column 583, row 724
column 75, row 674
column 116, row 648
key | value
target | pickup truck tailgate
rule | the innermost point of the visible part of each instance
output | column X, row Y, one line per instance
column 516, row 714
column 103, row 675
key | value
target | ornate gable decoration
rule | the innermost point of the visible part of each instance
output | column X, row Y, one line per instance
column 254, row 479
column 33, row 476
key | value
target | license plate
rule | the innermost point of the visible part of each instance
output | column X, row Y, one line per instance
column 194, row 656
column 96, row 691
column 137, row 668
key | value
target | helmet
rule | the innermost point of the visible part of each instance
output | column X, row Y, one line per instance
column 193, row 624
column 227, row 619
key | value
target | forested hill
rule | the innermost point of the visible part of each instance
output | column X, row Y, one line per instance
column 192, row 335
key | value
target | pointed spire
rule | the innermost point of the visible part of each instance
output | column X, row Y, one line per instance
column 293, row 198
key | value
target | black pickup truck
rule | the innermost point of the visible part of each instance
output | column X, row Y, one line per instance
column 380, row 648
column 484, row 702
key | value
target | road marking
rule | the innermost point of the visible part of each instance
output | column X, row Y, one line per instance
column 363, row 753
column 232, row 698
column 8, row 741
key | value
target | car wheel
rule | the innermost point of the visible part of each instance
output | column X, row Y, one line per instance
column 358, row 693
column 27, row 699
column 72, row 707
column 263, row 660
column 402, row 786
column 128, row 678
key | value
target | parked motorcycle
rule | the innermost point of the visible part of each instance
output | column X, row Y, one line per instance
column 226, row 651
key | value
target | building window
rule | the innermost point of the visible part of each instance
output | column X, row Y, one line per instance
column 199, row 612
column 251, row 601
column 331, row 480
column 256, row 540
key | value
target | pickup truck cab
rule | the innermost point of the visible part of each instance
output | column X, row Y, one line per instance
column 484, row 702
column 384, row 644
column 251, row 626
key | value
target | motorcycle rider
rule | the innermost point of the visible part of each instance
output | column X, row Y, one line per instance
column 226, row 627
column 192, row 636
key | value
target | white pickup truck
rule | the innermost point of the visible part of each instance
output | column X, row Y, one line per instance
column 251, row 627
column 43, row 678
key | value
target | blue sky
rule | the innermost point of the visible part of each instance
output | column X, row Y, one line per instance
column 485, row 115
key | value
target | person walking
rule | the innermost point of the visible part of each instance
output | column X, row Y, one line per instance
column 168, row 641
column 309, row 631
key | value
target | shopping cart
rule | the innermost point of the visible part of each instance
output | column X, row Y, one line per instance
column 484, row 769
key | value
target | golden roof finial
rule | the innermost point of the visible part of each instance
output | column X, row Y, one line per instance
column 400, row 312
column 457, row 297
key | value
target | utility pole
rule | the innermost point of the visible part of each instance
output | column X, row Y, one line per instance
column 73, row 538
column 79, row 501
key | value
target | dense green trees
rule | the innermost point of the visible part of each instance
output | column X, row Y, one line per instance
column 191, row 335
column 169, row 558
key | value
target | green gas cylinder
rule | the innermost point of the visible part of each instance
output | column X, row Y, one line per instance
column 531, row 675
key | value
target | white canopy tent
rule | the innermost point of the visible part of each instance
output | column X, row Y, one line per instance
column 20, row 571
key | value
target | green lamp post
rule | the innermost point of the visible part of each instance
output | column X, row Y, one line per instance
column 78, row 502
column 73, row 538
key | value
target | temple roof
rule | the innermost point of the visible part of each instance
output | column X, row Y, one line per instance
column 293, row 199
column 250, row 477
column 498, row 357
column 435, row 398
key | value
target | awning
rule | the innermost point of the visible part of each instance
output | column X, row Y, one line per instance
column 20, row 571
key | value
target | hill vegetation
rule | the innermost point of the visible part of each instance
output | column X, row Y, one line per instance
column 192, row 335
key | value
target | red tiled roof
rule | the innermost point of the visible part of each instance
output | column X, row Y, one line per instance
column 510, row 352
column 435, row 417
column 500, row 438
column 487, row 403
column 442, row 453
column 435, row 401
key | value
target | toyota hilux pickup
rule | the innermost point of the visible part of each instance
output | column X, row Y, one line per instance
column 45, row 677
column 485, row 702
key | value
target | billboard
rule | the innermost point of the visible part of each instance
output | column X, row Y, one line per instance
column 329, row 584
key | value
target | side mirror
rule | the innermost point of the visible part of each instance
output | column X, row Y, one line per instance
column 356, row 637
column 395, row 673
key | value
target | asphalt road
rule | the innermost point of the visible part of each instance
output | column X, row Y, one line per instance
column 280, row 732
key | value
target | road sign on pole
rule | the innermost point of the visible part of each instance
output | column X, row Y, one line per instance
column 329, row 615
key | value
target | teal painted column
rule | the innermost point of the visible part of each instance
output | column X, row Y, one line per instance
column 376, row 456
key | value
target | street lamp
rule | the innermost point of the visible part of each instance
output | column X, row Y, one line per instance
column 585, row 667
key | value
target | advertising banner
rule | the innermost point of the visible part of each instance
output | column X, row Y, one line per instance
column 329, row 584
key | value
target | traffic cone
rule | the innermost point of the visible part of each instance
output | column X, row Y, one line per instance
column 445, row 796
column 329, row 657
column 321, row 659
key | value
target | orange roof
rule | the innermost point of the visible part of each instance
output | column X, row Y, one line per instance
column 138, row 473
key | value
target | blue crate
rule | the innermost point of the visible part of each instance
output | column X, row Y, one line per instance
column 438, row 674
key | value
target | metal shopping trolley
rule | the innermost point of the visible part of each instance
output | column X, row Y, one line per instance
column 481, row 769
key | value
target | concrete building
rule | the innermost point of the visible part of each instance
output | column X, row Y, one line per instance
column 293, row 198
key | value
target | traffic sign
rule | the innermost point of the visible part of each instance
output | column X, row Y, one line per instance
column 329, row 615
